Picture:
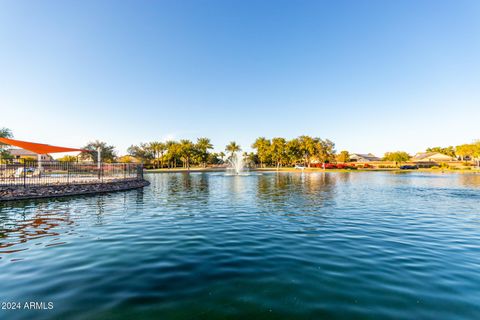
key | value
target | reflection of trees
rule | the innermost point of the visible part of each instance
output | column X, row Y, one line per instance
column 303, row 200
column 182, row 188
column 296, row 192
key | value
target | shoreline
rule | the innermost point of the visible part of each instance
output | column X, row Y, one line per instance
column 291, row 169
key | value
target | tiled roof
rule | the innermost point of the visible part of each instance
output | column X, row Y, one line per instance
column 22, row 152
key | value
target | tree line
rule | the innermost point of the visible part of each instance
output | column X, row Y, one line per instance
column 172, row 154
column 276, row 152
column 303, row 150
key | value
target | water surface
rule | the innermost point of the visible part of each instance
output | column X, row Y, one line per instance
column 276, row 245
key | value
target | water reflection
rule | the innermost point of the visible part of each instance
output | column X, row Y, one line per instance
column 304, row 199
column 297, row 192
column 469, row 180
column 40, row 223
column 33, row 224
column 180, row 188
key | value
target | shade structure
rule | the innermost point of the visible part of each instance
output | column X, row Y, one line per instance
column 38, row 148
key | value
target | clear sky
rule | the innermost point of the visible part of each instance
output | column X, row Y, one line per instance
column 372, row 76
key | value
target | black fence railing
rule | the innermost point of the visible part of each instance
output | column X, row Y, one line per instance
column 32, row 173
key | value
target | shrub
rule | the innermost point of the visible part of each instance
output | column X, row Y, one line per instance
column 386, row 166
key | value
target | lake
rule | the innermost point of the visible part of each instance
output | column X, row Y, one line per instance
column 374, row 245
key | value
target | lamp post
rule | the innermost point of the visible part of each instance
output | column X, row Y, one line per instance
column 39, row 162
column 99, row 166
column 99, row 157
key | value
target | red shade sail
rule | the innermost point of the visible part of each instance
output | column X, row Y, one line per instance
column 38, row 148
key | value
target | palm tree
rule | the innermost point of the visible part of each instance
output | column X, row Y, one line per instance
column 186, row 152
column 4, row 133
column 232, row 147
column 173, row 150
column 202, row 146
column 278, row 151
column 162, row 149
column 221, row 154
column 263, row 147
column 158, row 149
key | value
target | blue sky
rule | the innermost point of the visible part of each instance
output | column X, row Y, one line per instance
column 372, row 76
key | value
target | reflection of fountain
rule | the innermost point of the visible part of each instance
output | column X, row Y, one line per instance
column 236, row 165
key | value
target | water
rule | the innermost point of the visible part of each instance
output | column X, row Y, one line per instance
column 276, row 245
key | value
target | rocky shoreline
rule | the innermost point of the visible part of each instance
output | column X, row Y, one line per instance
column 53, row 191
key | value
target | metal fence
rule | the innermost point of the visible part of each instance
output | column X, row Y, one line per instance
column 33, row 173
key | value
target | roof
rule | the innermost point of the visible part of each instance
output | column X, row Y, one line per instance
column 368, row 156
column 22, row 152
column 427, row 155
column 37, row 148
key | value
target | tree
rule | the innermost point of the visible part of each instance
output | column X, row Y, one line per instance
column 173, row 153
column 158, row 149
column 476, row 152
column 140, row 152
column 293, row 150
column 202, row 146
column 186, row 152
column 107, row 153
column 214, row 158
column 232, row 147
column 397, row 156
column 278, row 151
column 127, row 159
column 5, row 133
column 343, row 156
column 221, row 154
column 449, row 151
column 67, row 158
column 251, row 159
column 324, row 150
column 465, row 151
column 262, row 145
column 307, row 146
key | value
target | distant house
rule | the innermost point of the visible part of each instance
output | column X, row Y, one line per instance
column 432, row 157
column 361, row 157
column 25, row 154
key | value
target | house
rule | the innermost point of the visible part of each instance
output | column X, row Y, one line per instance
column 361, row 157
column 432, row 157
column 25, row 154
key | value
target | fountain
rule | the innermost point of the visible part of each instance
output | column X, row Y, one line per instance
column 236, row 165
